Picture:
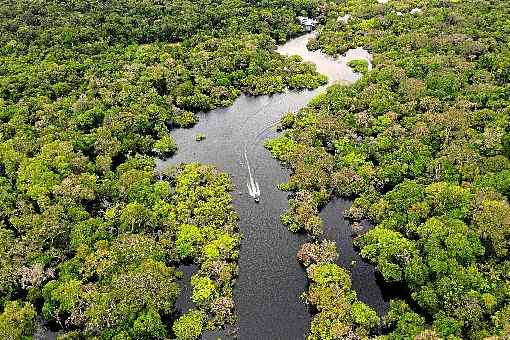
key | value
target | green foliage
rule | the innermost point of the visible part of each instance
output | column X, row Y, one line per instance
column 165, row 146
column 281, row 147
column 117, row 303
column 203, row 289
column 116, row 278
column 90, row 90
column 364, row 316
column 189, row 238
column 149, row 326
column 448, row 199
column 389, row 249
column 492, row 221
column 189, row 326
column 17, row 320
column 359, row 65
column 185, row 119
column 304, row 81
column 324, row 252
column 421, row 143
column 340, row 313
column 406, row 323
column 303, row 213
column 327, row 273
column 444, row 86
column 89, row 93
column 135, row 217
column 61, row 297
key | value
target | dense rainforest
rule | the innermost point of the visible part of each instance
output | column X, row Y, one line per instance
column 91, row 234
column 422, row 145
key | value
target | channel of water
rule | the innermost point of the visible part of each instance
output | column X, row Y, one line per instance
column 270, row 280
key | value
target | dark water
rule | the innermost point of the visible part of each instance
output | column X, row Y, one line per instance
column 184, row 302
column 270, row 279
column 363, row 275
column 43, row 331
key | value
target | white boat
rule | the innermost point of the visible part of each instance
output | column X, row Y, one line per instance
column 252, row 184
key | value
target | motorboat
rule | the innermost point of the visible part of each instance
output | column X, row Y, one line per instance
column 252, row 184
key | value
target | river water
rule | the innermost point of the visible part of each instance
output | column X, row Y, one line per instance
column 270, row 279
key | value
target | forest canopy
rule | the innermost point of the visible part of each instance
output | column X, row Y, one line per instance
column 91, row 234
column 422, row 145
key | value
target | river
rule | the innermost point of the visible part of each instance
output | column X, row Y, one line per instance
column 270, row 279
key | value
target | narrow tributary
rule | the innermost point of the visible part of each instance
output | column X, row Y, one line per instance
column 270, row 279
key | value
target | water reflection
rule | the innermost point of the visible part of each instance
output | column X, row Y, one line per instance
column 335, row 68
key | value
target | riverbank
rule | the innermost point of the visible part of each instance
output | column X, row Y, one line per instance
column 270, row 279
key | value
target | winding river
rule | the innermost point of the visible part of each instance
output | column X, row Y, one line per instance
column 270, row 279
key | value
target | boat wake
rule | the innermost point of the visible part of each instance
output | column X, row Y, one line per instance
column 252, row 184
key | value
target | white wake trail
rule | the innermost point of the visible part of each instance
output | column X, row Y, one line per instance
column 252, row 184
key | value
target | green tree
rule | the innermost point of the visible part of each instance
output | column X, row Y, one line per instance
column 17, row 320
column 189, row 326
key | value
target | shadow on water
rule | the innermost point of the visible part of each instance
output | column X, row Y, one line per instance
column 368, row 284
column 270, row 279
column 184, row 302
column 44, row 331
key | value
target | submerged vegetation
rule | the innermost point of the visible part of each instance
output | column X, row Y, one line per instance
column 422, row 143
